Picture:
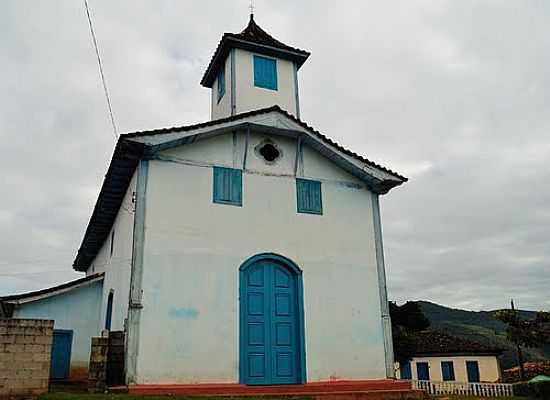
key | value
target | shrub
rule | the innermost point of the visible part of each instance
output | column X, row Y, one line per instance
column 539, row 390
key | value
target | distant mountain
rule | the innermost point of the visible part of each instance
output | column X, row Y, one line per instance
column 482, row 327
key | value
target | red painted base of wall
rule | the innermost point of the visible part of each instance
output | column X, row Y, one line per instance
column 333, row 390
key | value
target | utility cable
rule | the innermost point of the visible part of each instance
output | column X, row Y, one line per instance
column 101, row 70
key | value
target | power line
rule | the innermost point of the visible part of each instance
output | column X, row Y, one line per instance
column 101, row 70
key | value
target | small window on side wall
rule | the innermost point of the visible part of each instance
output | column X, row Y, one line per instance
column 221, row 83
column 309, row 196
column 109, row 311
column 447, row 370
column 228, row 186
column 265, row 72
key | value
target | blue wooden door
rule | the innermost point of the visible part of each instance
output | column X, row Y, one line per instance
column 270, row 341
column 61, row 354
column 423, row 371
column 472, row 369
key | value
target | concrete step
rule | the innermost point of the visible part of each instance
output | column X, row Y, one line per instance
column 383, row 389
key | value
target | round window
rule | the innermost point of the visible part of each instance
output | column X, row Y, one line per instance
column 268, row 151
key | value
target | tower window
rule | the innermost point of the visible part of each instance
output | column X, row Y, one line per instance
column 221, row 83
column 265, row 72
column 228, row 186
column 308, row 194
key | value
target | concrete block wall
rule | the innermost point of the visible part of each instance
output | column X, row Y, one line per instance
column 97, row 373
column 25, row 352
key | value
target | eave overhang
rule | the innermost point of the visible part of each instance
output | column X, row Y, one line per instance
column 229, row 41
column 28, row 297
column 123, row 163
column 134, row 146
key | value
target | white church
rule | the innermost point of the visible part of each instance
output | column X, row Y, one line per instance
column 245, row 250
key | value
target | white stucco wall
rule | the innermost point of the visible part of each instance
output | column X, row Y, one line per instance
column 189, row 329
column 118, row 265
column 489, row 370
column 77, row 310
column 249, row 97
column 222, row 108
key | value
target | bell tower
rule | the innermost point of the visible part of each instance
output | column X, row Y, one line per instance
column 252, row 70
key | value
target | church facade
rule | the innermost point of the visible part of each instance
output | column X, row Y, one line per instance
column 246, row 249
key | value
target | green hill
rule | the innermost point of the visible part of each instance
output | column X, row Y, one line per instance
column 482, row 327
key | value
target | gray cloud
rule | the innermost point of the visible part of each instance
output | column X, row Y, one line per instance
column 454, row 94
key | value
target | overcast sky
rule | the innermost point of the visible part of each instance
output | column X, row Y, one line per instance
column 453, row 94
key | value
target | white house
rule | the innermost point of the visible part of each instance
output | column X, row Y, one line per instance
column 444, row 358
column 246, row 249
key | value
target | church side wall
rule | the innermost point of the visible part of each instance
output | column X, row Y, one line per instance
column 118, row 265
column 189, row 330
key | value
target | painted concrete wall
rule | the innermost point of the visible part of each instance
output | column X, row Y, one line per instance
column 189, row 330
column 489, row 369
column 222, row 108
column 117, row 265
column 249, row 97
column 78, row 310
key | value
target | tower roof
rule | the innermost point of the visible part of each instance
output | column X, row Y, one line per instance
column 252, row 38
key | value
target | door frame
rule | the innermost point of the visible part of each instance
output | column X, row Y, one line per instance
column 301, row 345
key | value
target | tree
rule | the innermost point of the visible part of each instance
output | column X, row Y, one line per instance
column 525, row 332
column 406, row 321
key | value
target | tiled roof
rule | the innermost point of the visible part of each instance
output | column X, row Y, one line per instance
column 275, row 108
column 255, row 39
column 436, row 342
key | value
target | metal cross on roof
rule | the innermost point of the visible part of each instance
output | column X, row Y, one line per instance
column 251, row 6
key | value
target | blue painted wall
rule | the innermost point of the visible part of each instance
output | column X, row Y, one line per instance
column 77, row 310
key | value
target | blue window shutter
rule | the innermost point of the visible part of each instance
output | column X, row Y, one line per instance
column 221, row 82
column 265, row 72
column 447, row 370
column 309, row 196
column 228, row 184
column 405, row 372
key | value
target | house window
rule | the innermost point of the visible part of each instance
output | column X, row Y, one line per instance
column 109, row 312
column 447, row 370
column 472, row 370
column 405, row 371
column 423, row 371
column 265, row 72
column 308, row 194
column 228, row 186
column 221, row 83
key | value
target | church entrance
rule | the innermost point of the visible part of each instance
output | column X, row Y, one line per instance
column 271, row 322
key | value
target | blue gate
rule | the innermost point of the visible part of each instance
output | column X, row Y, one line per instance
column 61, row 353
column 271, row 322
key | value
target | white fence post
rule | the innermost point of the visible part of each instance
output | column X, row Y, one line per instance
column 465, row 388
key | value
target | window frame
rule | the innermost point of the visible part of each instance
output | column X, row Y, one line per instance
column 302, row 205
column 235, row 198
column 406, row 367
column 257, row 81
column 221, row 78
column 451, row 371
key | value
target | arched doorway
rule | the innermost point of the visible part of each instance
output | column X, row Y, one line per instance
column 271, row 321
